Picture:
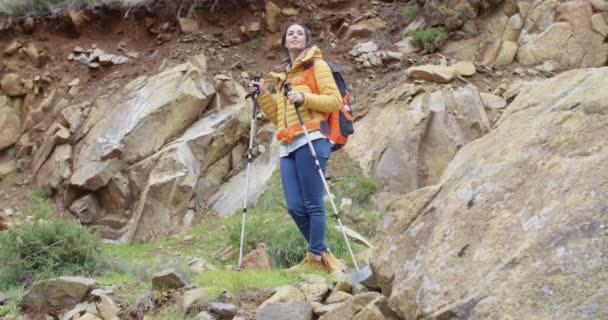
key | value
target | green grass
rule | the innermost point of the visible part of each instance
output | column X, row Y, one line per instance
column 11, row 308
column 409, row 12
column 355, row 186
column 170, row 313
column 246, row 280
column 45, row 249
column 42, row 207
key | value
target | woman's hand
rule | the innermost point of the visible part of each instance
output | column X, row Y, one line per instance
column 253, row 84
column 295, row 98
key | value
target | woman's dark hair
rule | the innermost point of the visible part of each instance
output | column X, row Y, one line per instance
column 284, row 39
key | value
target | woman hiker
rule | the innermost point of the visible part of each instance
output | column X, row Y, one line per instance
column 301, row 181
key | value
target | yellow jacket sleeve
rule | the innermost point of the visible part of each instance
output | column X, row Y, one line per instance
column 329, row 98
column 269, row 107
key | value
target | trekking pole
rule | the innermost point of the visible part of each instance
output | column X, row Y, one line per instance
column 254, row 95
column 318, row 164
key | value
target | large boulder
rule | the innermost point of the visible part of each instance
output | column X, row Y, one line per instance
column 56, row 294
column 147, row 113
column 516, row 225
column 408, row 143
column 10, row 123
column 164, row 200
column 561, row 34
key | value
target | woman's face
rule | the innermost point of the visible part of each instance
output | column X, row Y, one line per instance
column 295, row 38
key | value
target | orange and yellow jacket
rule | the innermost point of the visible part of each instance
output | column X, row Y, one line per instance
column 283, row 114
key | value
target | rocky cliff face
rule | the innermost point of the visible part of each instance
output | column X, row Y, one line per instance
column 517, row 224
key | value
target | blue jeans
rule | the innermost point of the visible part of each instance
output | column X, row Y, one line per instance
column 304, row 190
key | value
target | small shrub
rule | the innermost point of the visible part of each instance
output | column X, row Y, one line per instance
column 42, row 207
column 429, row 38
column 409, row 12
column 44, row 249
column 446, row 12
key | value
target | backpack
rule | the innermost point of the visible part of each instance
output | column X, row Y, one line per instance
column 340, row 122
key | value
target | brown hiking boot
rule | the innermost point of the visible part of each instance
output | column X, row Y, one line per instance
column 310, row 261
column 332, row 265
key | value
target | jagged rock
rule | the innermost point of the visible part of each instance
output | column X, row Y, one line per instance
column 56, row 169
column 8, row 163
column 569, row 40
column 365, row 277
column 600, row 24
column 170, row 179
column 376, row 309
column 432, row 73
column 29, row 24
column 465, row 68
column 32, row 52
column 343, row 286
column 89, row 316
column 225, row 310
column 116, row 197
column 422, row 138
column 72, row 117
column 513, row 28
column 143, row 304
column 107, row 308
column 197, row 299
column 322, row 309
column 55, row 135
column 251, row 30
column 359, row 289
column 363, row 47
column 272, row 13
column 340, row 311
column 225, row 200
column 524, row 215
column 13, row 47
column 365, row 28
column 97, row 174
column 187, row 25
column 258, row 258
column 78, row 18
column 407, row 46
column 506, row 54
column 338, row 297
column 101, row 292
column 87, row 209
column 56, row 294
column 12, row 85
column 204, row 315
column 294, row 310
column 79, row 309
column 177, row 96
column 229, row 92
column 285, row 293
column 168, row 279
column 10, row 124
column 199, row 265
column 493, row 102
column 290, row 12
column 314, row 287
column 3, row 299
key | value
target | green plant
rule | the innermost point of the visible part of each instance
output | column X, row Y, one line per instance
column 604, row 8
column 446, row 12
column 42, row 207
column 11, row 308
column 409, row 12
column 44, row 249
column 429, row 38
column 355, row 186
